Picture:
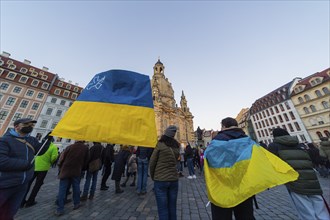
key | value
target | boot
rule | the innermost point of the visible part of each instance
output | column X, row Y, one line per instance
column 133, row 183
column 124, row 183
column 118, row 189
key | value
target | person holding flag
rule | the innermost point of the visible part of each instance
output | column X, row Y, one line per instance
column 17, row 152
column 236, row 169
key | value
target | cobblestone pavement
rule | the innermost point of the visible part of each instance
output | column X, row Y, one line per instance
column 192, row 199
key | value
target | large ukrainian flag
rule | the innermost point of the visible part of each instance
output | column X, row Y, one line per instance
column 115, row 107
column 237, row 169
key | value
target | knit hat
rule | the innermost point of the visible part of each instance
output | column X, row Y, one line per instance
column 170, row 131
column 279, row 132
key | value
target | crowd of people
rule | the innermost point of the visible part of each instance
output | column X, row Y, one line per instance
column 20, row 168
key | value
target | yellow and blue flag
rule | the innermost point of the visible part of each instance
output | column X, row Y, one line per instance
column 115, row 107
column 237, row 169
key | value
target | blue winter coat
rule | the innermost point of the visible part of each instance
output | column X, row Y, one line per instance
column 15, row 159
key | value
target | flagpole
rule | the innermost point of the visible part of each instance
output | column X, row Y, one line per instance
column 42, row 146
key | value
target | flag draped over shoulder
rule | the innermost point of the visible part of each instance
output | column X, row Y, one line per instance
column 237, row 169
column 115, row 107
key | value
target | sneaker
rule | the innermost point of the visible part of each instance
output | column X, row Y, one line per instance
column 194, row 176
column 189, row 177
column 29, row 204
column 104, row 188
column 119, row 191
column 83, row 198
column 58, row 213
column 75, row 207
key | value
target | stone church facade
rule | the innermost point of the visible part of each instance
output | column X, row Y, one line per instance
column 167, row 111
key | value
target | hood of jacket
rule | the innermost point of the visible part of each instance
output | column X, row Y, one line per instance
column 287, row 140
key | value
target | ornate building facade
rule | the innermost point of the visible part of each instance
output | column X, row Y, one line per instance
column 167, row 111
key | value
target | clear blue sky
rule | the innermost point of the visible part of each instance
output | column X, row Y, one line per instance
column 223, row 54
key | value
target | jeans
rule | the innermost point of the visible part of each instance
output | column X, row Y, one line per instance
column 191, row 166
column 10, row 200
column 63, row 186
column 142, row 175
column 90, row 176
column 166, row 197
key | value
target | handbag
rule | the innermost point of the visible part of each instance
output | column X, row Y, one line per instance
column 94, row 165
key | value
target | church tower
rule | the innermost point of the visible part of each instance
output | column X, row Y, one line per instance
column 167, row 111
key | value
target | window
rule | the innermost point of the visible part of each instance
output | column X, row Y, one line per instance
column 287, row 105
column 17, row 116
column 35, row 83
column 263, row 114
column 267, row 112
column 276, row 109
column 11, row 75
column 30, row 116
column 290, row 127
column 62, row 102
column 59, row 113
column 70, row 103
column 44, row 124
column 271, row 111
column 3, row 114
column 1, row 96
column 57, row 91
column 256, row 125
column 292, row 115
column 286, row 117
column 53, row 100
column 60, row 84
column 24, row 104
column 35, row 106
column 327, row 133
column 40, row 95
column 263, row 124
column 76, row 89
column 68, row 140
column 17, row 89
column 23, row 70
column 313, row 121
column 23, row 79
column 297, row 126
column 320, row 120
column 319, row 134
column 29, row 93
column 54, row 125
column 66, row 94
column 300, row 100
column 10, row 101
column 281, row 107
column 49, row 111
column 4, row 86
column 267, row 122
column 318, row 93
column 325, row 90
column 45, row 85
column 68, row 86
column 271, row 121
column 313, row 108
column 325, row 104
column 280, row 117
column 302, row 137
column 307, row 98
column 306, row 110
column 74, row 96
column 275, row 120
column 11, row 66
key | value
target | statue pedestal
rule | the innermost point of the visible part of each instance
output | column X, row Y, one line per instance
column 200, row 142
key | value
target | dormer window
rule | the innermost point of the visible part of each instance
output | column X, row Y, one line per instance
column 76, row 89
column 44, row 77
column 23, row 70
